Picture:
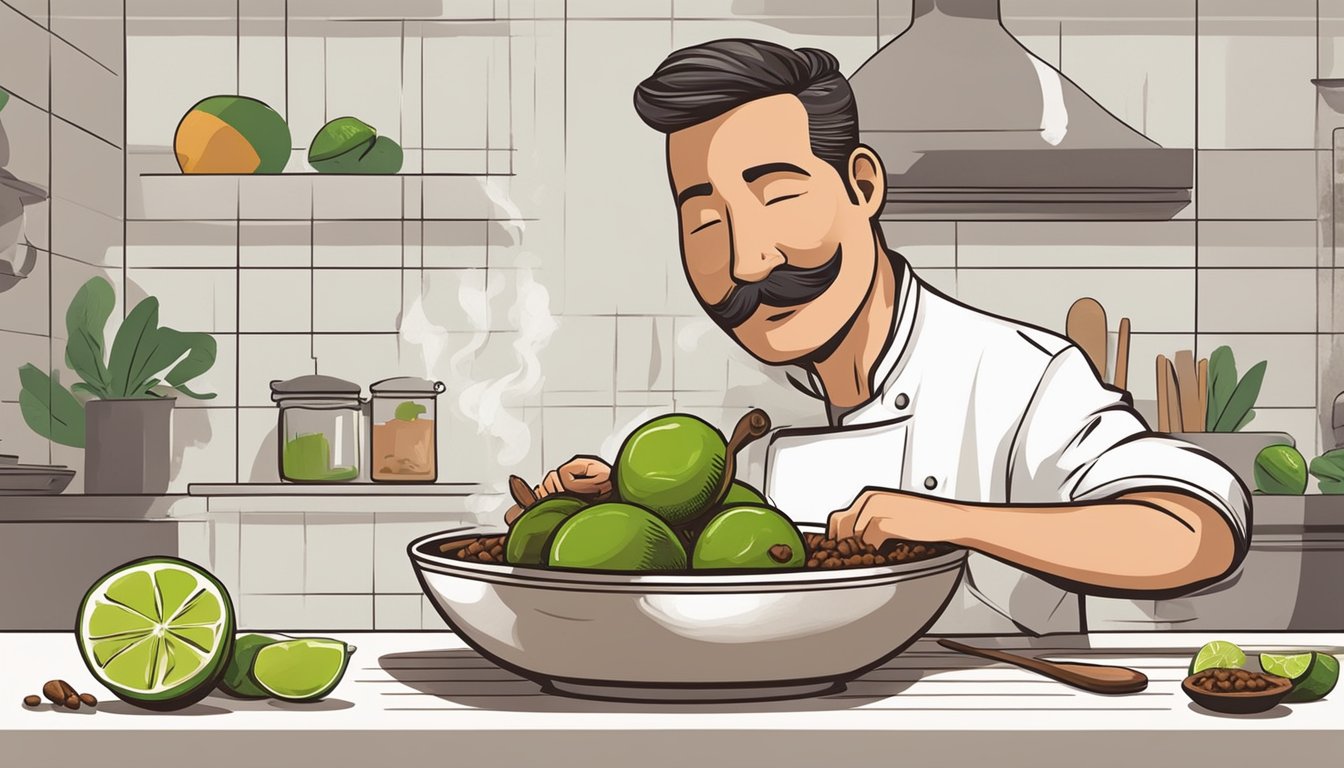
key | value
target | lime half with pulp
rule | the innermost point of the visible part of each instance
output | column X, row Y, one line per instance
column 1218, row 654
column 1313, row 674
column 301, row 670
column 157, row 632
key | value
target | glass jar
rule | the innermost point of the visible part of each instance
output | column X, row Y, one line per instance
column 319, row 429
column 404, row 416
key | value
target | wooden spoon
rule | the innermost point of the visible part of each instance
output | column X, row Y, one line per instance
column 1097, row 678
column 1086, row 326
column 1121, row 376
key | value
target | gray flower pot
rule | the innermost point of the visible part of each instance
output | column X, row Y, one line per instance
column 127, row 445
column 1237, row 449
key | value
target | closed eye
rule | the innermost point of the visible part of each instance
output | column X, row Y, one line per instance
column 706, row 224
column 782, row 198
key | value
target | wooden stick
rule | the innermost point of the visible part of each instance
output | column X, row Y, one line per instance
column 1163, row 416
column 1174, row 399
column 521, row 492
column 1121, row 380
column 1187, row 384
column 1203, row 395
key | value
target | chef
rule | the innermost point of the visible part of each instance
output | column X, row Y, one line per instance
column 946, row 423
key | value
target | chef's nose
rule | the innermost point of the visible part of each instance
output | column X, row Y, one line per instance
column 754, row 255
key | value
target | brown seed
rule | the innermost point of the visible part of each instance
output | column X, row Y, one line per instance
column 1222, row 675
column 1241, row 674
column 868, row 559
column 880, row 560
column 88, row 699
column 1224, row 685
column 57, row 691
column 781, row 553
column 920, row 549
column 454, row 546
column 486, row 558
column 1239, row 685
column 813, row 563
column 31, row 701
column 72, row 702
column 832, row 563
column 474, row 548
column 843, row 548
column 828, row 544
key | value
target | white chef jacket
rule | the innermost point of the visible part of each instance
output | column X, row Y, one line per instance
column 978, row 408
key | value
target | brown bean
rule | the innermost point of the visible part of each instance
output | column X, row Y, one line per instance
column 1221, row 675
column 843, row 548
column 868, row 559
column 57, row 691
column 1224, row 685
column 72, row 702
column 1239, row 685
column 828, row 544
column 88, row 699
column 31, row 701
column 813, row 563
column 880, row 560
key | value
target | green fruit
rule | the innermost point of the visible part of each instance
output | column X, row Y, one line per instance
column 338, row 137
column 348, row 145
column 674, row 466
column 1218, row 654
column 157, row 632
column 747, row 537
column 301, row 670
column 530, row 537
column 232, row 134
column 616, row 537
column 741, row 493
column 1280, row 469
column 1314, row 674
column 237, row 678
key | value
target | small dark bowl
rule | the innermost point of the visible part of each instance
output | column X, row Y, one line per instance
column 1239, row 702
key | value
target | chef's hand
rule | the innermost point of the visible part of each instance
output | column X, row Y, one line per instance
column 586, row 476
column 879, row 514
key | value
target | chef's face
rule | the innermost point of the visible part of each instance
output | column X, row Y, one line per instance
column 775, row 246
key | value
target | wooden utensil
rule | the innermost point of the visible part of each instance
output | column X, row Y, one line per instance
column 1174, row 414
column 1121, row 377
column 754, row 424
column 1086, row 326
column 1187, row 385
column 1203, row 394
column 1163, row 413
column 1097, row 678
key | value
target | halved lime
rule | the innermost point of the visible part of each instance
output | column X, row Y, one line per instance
column 1313, row 674
column 1218, row 654
column 157, row 632
column 237, row 678
column 301, row 670
column 338, row 137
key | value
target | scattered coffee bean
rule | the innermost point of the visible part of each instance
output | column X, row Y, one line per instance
column 57, row 691
column 72, row 702
column 31, row 701
column 781, row 553
column 88, row 699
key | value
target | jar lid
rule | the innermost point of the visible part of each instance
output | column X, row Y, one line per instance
column 406, row 386
column 314, row 386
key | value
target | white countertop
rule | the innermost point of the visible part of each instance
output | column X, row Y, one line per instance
column 421, row 697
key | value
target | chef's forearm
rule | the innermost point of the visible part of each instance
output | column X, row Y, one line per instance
column 1150, row 541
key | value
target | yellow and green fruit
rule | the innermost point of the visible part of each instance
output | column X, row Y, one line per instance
column 300, row 670
column 614, row 536
column 530, row 536
column 747, row 536
column 237, row 678
column 232, row 134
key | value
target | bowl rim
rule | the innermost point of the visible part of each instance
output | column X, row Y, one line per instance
column 718, row 583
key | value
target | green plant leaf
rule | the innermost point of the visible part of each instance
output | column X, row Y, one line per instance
column 85, row 323
column 1242, row 400
column 1331, row 486
column 4, row 98
column 409, row 411
column 1222, row 382
column 199, row 357
column 1328, row 467
column 50, row 409
column 135, row 343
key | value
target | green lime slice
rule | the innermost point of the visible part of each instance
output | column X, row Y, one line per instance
column 157, row 632
column 338, row 137
column 237, row 678
column 301, row 670
column 1314, row 674
column 1218, row 654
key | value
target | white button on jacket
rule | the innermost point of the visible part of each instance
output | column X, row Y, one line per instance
column 974, row 407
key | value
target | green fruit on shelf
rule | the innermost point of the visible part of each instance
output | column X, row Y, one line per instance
column 232, row 134
column 529, row 538
column 746, row 536
column 305, row 669
column 674, row 466
column 157, row 632
column 614, row 536
column 237, row 678
column 339, row 136
column 349, row 145
column 1280, row 469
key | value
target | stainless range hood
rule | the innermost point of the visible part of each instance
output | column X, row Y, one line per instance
column 972, row 125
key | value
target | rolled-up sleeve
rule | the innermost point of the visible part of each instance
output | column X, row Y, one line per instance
column 1081, row 441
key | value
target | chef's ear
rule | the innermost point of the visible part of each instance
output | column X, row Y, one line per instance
column 867, row 179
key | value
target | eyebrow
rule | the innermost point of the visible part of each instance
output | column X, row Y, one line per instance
column 757, row 171
column 695, row 190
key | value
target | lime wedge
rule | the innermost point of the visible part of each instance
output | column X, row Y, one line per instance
column 157, row 632
column 237, row 678
column 1218, row 654
column 301, row 670
column 338, row 137
column 1313, row 674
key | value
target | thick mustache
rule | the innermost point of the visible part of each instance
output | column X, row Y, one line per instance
column 785, row 286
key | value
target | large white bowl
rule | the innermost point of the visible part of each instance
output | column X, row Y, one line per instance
column 686, row 636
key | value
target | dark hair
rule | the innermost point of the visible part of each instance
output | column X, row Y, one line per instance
column 701, row 82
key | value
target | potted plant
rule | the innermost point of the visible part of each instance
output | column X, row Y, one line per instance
column 119, row 412
column 1230, row 408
